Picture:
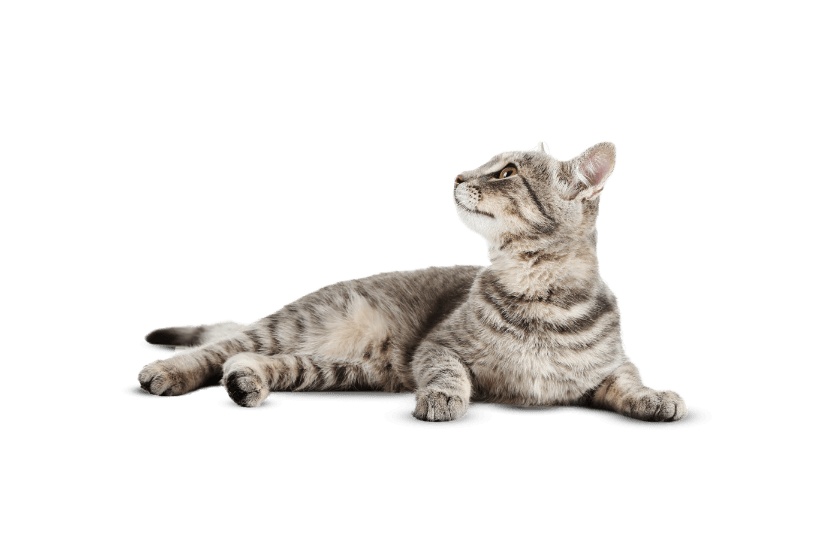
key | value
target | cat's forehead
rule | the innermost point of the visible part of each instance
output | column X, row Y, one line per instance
column 519, row 159
column 499, row 160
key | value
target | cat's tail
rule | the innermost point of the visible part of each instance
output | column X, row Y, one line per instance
column 189, row 336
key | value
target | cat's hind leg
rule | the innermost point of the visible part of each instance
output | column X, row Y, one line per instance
column 444, row 385
column 623, row 392
column 201, row 366
column 249, row 377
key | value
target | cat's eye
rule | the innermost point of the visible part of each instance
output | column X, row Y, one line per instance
column 507, row 172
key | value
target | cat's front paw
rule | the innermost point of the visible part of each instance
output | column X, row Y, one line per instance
column 657, row 406
column 245, row 382
column 439, row 406
column 162, row 379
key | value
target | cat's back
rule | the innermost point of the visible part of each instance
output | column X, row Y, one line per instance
column 432, row 288
column 397, row 293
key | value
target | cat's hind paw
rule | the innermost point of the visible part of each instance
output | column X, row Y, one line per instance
column 439, row 406
column 245, row 383
column 161, row 379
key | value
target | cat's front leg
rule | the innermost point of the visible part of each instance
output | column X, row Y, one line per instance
column 444, row 385
column 623, row 392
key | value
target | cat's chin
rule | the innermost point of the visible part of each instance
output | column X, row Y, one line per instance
column 482, row 223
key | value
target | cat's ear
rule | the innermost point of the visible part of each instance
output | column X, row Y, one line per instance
column 540, row 148
column 590, row 171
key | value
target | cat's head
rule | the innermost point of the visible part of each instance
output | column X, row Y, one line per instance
column 533, row 196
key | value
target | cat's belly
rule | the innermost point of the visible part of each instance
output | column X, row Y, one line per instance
column 373, row 324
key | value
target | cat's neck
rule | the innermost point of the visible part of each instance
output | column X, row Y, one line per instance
column 536, row 269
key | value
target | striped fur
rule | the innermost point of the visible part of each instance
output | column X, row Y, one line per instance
column 537, row 327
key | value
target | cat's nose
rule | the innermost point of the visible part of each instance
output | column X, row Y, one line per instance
column 459, row 180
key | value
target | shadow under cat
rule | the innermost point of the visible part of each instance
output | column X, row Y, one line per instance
column 479, row 412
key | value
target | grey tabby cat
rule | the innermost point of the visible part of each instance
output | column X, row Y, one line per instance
column 537, row 327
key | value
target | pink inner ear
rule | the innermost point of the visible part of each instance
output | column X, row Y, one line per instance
column 597, row 167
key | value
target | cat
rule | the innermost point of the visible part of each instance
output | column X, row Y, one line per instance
column 537, row 327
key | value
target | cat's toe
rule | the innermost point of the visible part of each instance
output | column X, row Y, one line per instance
column 439, row 406
column 658, row 406
column 245, row 385
column 161, row 380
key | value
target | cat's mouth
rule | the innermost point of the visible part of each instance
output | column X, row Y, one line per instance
column 461, row 206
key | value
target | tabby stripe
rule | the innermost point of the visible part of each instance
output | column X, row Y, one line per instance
column 475, row 343
column 490, row 322
column 322, row 380
column 541, row 257
column 496, row 299
column 213, row 356
column 359, row 380
column 538, row 204
column 339, row 373
column 566, row 299
column 257, row 342
column 428, row 364
column 513, row 299
column 276, row 372
column 368, row 297
column 446, row 381
column 502, row 312
column 601, row 307
column 509, row 239
column 545, row 256
column 440, row 374
column 515, row 206
column 609, row 382
column 273, row 326
column 213, row 360
column 348, row 377
column 315, row 315
column 603, row 335
column 317, row 379
column 460, row 342
column 300, row 373
column 304, row 365
column 237, row 345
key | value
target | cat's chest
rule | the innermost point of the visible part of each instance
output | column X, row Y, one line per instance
column 531, row 374
column 542, row 355
column 528, row 360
